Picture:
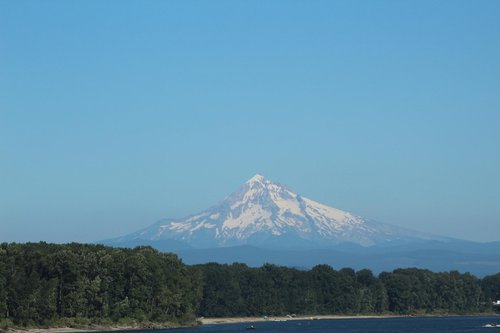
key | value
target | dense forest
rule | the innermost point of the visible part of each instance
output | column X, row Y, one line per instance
column 42, row 284
column 237, row 290
column 48, row 285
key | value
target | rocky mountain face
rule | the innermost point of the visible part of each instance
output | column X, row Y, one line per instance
column 268, row 214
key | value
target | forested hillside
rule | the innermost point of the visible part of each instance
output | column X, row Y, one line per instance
column 47, row 285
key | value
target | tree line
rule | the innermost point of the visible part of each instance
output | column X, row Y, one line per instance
column 47, row 284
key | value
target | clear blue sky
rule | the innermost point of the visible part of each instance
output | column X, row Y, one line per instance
column 114, row 114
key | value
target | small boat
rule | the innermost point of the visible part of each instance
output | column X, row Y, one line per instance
column 492, row 325
column 251, row 327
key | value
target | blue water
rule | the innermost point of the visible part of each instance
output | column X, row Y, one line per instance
column 410, row 324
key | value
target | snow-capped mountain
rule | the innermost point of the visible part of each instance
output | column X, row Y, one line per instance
column 262, row 212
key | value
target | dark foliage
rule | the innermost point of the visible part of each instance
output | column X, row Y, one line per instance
column 42, row 284
column 238, row 290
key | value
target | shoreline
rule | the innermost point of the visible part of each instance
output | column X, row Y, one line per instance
column 228, row 320
column 97, row 328
column 237, row 320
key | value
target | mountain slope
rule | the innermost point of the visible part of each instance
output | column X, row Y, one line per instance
column 269, row 214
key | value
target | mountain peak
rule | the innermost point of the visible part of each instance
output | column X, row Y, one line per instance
column 256, row 179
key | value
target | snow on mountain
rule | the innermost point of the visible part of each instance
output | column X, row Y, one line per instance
column 263, row 212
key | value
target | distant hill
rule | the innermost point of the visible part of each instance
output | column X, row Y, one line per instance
column 438, row 258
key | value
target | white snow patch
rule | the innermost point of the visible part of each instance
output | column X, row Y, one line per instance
column 319, row 210
column 291, row 205
column 249, row 216
column 196, row 217
column 176, row 226
column 256, row 179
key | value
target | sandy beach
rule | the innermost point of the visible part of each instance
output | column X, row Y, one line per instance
column 233, row 320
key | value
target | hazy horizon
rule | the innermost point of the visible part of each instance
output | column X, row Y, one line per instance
column 116, row 114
